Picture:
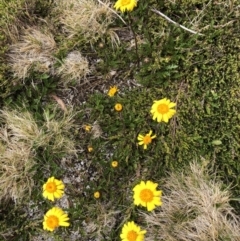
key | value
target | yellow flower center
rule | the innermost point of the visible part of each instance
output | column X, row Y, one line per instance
column 146, row 195
column 114, row 164
column 147, row 140
column 118, row 107
column 97, row 194
column 125, row 2
column 132, row 236
column 51, row 187
column 162, row 109
column 87, row 128
column 52, row 222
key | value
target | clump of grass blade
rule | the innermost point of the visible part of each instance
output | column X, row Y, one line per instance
column 16, row 169
column 86, row 18
column 33, row 51
column 59, row 131
column 195, row 207
column 103, row 224
column 75, row 67
column 21, row 126
column 20, row 139
column 53, row 133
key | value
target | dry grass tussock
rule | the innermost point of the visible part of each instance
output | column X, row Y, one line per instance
column 17, row 138
column 99, row 228
column 75, row 67
column 58, row 126
column 54, row 133
column 86, row 18
column 33, row 51
column 21, row 126
column 195, row 208
column 16, row 168
column 20, row 137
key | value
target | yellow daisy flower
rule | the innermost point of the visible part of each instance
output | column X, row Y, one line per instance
column 112, row 91
column 145, row 194
column 132, row 232
column 96, row 195
column 90, row 148
column 161, row 110
column 118, row 107
column 54, row 218
column 53, row 188
column 87, row 128
column 145, row 140
column 125, row 5
column 114, row 164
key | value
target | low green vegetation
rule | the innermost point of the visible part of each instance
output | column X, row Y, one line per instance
column 58, row 61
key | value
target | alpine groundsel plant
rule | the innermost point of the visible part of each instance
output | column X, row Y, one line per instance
column 125, row 5
column 128, row 6
column 118, row 107
column 147, row 195
column 132, row 232
column 145, row 140
column 162, row 110
column 54, row 218
column 112, row 91
column 53, row 189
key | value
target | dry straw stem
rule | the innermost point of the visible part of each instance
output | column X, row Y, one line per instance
column 16, row 169
column 175, row 23
column 33, row 50
column 75, row 67
column 87, row 18
column 195, row 208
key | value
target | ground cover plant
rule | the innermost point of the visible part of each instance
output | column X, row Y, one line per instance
column 119, row 120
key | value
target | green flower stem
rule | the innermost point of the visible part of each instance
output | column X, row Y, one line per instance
column 135, row 38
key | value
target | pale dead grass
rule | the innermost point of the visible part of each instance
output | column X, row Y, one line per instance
column 86, row 18
column 102, row 226
column 20, row 125
column 16, row 169
column 59, row 129
column 54, row 133
column 33, row 51
column 20, row 138
column 195, row 208
column 75, row 67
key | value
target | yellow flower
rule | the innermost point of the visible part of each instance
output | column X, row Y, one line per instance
column 112, row 91
column 145, row 140
column 161, row 110
column 132, row 232
column 118, row 107
column 90, row 148
column 54, row 218
column 87, row 128
column 96, row 194
column 53, row 188
column 145, row 194
column 114, row 163
column 125, row 5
